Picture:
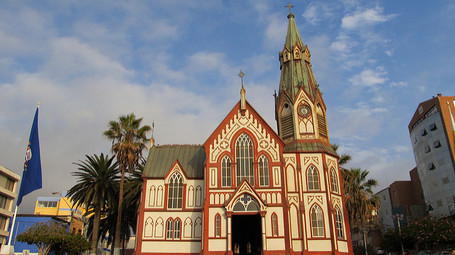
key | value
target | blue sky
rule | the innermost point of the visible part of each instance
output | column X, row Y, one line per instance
column 176, row 63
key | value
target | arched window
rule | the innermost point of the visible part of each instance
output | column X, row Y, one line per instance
column 175, row 192
column 244, row 159
column 334, row 179
column 263, row 171
column 274, row 225
column 313, row 178
column 169, row 229
column 217, row 225
column 317, row 222
column 339, row 223
column 173, row 229
column 177, row 228
column 226, row 172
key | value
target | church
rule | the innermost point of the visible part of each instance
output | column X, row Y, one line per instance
column 249, row 189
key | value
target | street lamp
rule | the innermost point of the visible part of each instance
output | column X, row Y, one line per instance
column 399, row 217
column 70, row 206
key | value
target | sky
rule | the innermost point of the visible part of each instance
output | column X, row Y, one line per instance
column 175, row 63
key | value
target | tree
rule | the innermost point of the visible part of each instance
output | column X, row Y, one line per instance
column 44, row 235
column 431, row 232
column 128, row 141
column 96, row 186
column 360, row 198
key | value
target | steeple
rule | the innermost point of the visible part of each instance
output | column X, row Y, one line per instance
column 300, row 109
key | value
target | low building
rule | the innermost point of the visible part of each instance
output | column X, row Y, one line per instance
column 402, row 201
column 8, row 187
column 62, row 207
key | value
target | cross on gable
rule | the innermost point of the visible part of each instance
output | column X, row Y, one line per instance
column 245, row 199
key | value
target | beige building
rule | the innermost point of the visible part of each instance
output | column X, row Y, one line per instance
column 8, row 188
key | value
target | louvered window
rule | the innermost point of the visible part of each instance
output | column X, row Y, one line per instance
column 322, row 125
column 287, row 126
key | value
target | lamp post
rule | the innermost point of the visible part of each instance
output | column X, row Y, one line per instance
column 71, row 207
column 399, row 217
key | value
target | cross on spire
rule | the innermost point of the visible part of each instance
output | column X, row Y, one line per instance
column 289, row 6
column 241, row 74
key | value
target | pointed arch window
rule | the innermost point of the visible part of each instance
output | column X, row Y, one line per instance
column 317, row 222
column 339, row 223
column 217, row 225
column 175, row 192
column 226, row 172
column 313, row 178
column 169, row 229
column 244, row 159
column 173, row 229
column 334, row 180
column 263, row 171
column 274, row 225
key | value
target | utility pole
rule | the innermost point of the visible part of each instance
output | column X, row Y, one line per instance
column 399, row 217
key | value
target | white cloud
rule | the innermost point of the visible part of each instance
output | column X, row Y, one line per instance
column 369, row 78
column 363, row 18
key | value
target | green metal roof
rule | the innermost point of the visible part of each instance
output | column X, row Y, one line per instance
column 296, row 73
column 310, row 147
column 162, row 158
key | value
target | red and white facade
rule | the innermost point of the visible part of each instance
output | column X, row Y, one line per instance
column 248, row 189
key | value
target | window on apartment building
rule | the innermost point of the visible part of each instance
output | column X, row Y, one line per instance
column 433, row 127
column 47, row 203
column 3, row 220
column 9, row 184
column 3, row 201
column 436, row 144
column 423, row 132
column 427, row 149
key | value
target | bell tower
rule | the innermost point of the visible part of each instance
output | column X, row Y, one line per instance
column 300, row 111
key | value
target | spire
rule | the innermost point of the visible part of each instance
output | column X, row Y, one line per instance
column 295, row 64
column 242, row 94
column 299, row 107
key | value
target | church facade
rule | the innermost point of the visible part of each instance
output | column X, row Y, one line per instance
column 249, row 189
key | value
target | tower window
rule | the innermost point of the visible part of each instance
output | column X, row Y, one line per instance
column 313, row 178
column 321, row 121
column 317, row 222
column 287, row 123
column 339, row 223
column 334, row 180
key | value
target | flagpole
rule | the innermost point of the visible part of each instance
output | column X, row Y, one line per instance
column 12, row 227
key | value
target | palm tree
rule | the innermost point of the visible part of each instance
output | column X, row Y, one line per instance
column 360, row 198
column 96, row 183
column 344, row 158
column 128, row 141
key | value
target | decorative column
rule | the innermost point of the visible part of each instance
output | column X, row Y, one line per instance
column 229, row 233
column 264, row 244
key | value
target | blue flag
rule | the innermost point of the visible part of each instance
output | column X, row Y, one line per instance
column 31, row 177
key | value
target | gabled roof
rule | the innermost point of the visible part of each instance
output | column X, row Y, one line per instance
column 162, row 158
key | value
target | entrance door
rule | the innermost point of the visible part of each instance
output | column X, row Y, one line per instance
column 246, row 234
